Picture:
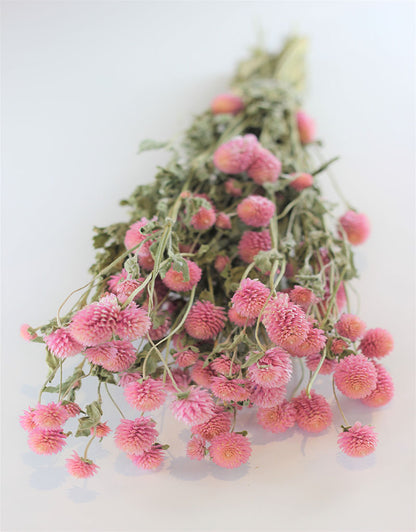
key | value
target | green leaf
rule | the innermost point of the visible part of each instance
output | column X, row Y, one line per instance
column 132, row 267
column 149, row 144
column 51, row 360
column 180, row 265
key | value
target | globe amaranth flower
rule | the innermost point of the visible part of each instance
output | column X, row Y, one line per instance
column 278, row 418
column 301, row 181
column 117, row 355
column 236, row 155
column 250, row 298
column 376, row 343
column 227, row 103
column 50, row 416
column 195, row 406
column 328, row 366
column 230, row 450
column 61, row 343
column 350, row 326
column 185, row 358
column 356, row 226
column 229, row 389
column 101, row 430
column 135, row 436
column 205, row 320
column 175, row 281
column 273, row 370
column 196, row 448
column 150, row 459
column 313, row 413
column 202, row 375
column 224, row 365
column 306, row 127
column 223, row 221
column 133, row 322
column 217, row 424
column 266, row 397
column 239, row 320
column 252, row 242
column 314, row 343
column 80, row 467
column 26, row 334
column 145, row 395
column 303, row 297
column 265, row 168
column 355, row 376
column 221, row 263
column 46, row 441
column 384, row 390
column 256, row 211
column 358, row 440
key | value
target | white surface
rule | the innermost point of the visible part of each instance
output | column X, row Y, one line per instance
column 83, row 83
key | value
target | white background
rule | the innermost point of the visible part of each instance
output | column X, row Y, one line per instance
column 83, row 83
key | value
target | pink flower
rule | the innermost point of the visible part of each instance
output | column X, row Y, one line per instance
column 128, row 377
column 124, row 289
column 313, row 344
column 358, row 440
column 95, row 323
column 327, row 367
column 193, row 407
column 227, row 103
column 350, row 326
column 229, row 389
column 233, row 187
column 256, row 211
column 43, row 441
column 301, row 181
column 135, row 436
column 117, row 355
column 220, row 422
column 181, row 378
column 252, row 242
column 25, row 334
column 205, row 320
column 132, row 323
column 185, row 358
column 376, row 343
column 150, row 459
column 101, row 430
column 146, row 260
column 356, row 226
column 61, row 344
column 338, row 346
column 202, row 375
column 230, row 450
column 306, row 127
column 265, row 168
column 312, row 414
column 266, row 397
column 273, row 370
column 250, row 298
column 223, row 221
column 80, row 467
column 134, row 235
column 71, row 409
column 115, row 279
column 239, row 320
column 203, row 219
column 285, row 323
column 50, row 416
column 146, row 395
column 223, row 365
column 278, row 418
column 162, row 330
column 27, row 420
column 236, row 155
column 303, row 297
column 384, row 390
column 175, row 280
column 196, row 448
column 355, row 376
column 221, row 263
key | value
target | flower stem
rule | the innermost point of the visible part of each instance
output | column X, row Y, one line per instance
column 112, row 400
column 338, row 404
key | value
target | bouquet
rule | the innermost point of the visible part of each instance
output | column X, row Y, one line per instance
column 231, row 269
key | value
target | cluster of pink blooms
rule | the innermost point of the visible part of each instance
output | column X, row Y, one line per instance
column 206, row 379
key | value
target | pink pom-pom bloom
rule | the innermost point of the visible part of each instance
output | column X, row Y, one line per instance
column 80, row 467
column 193, row 407
column 303, row 297
column 221, row 263
column 313, row 344
column 135, row 436
column 250, row 298
column 236, row 155
column 72, row 409
column 312, row 414
column 128, row 377
column 266, row 397
column 278, row 418
column 50, row 416
column 203, row 219
column 338, row 346
column 306, row 127
column 43, row 441
column 150, row 459
column 62, row 345
column 202, row 375
column 265, row 168
column 25, row 334
column 227, row 103
column 358, row 440
column 180, row 377
column 146, row 395
column 253, row 242
column 124, row 289
column 117, row 355
column 162, row 330
column 175, row 280
column 133, row 322
column 350, row 326
column 134, row 236
column 223, row 221
column 101, row 430
column 356, row 226
column 205, row 320
column 286, row 323
column 185, row 358
column 116, row 279
column 95, row 323
column 224, row 365
column 27, row 420
column 240, row 320
column 301, row 181
column 384, row 390
column 230, row 450
column 229, row 389
column 328, row 366
column 376, row 343
column 272, row 370
column 196, row 449
column 220, row 422
column 232, row 187
column 256, row 211
column 355, row 376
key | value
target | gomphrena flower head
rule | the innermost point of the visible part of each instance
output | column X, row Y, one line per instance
column 101, row 430
column 376, row 343
column 312, row 414
column 240, row 320
column 314, row 343
column 356, row 226
column 80, row 467
column 124, row 289
column 221, row 263
column 233, row 187
column 134, row 236
column 301, row 181
column 27, row 421
column 156, row 333
column 196, row 448
column 303, row 297
column 266, row 397
column 202, row 375
column 306, row 127
column 256, row 211
column 384, row 390
column 265, row 168
column 145, row 395
column 338, row 346
column 223, row 221
column 252, row 242
column 150, row 459
column 230, row 450
column 223, row 365
column 127, row 377
column 62, row 344
column 26, row 334
column 116, row 279
column 229, row 389
column 250, row 298
column 236, row 155
column 95, row 323
column 203, row 219
column 117, row 355
column 185, row 358
column 44, row 441
column 175, row 281
column 193, row 407
column 227, row 103
column 180, row 377
column 328, row 366
column 355, row 376
column 358, row 440
column 135, row 436
column 50, row 416
column 217, row 424
column 286, row 323
column 205, row 320
column 273, row 370
column 278, row 418
column 350, row 326
column 133, row 322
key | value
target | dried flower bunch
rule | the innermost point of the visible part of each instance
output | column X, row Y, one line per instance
column 232, row 268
